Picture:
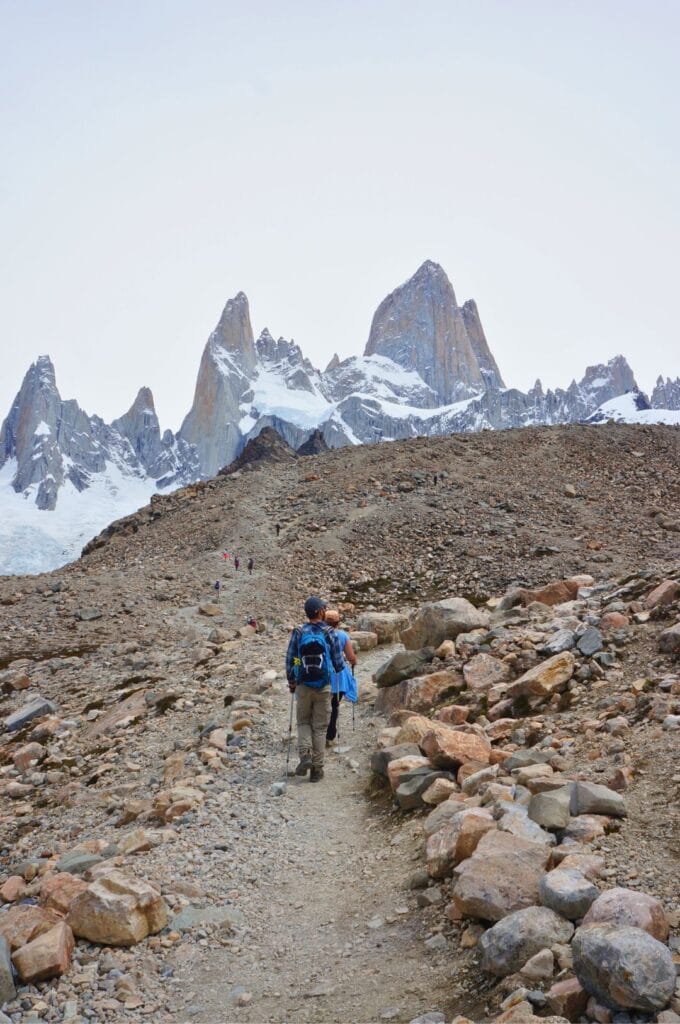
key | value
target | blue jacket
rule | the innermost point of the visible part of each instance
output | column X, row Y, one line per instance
column 344, row 682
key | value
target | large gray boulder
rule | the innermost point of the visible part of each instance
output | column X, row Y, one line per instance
column 550, row 810
column 591, row 798
column 511, row 942
column 623, row 967
column 442, row 620
column 403, row 665
column 567, row 892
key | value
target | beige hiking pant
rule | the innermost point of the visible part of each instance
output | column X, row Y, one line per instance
column 313, row 716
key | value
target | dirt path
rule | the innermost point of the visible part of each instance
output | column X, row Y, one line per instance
column 333, row 935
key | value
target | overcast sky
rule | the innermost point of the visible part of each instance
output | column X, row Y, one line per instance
column 159, row 157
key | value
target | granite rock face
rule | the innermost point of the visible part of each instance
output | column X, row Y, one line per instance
column 421, row 327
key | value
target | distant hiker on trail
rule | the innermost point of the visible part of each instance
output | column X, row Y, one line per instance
column 237, row 562
column 250, row 566
column 217, row 589
column 343, row 683
column 225, row 555
column 435, row 479
column 312, row 658
column 278, row 529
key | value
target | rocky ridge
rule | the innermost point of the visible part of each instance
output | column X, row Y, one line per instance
column 145, row 725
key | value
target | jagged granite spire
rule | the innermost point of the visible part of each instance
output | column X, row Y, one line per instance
column 421, row 327
column 227, row 365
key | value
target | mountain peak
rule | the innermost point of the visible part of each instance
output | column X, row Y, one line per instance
column 234, row 332
column 421, row 327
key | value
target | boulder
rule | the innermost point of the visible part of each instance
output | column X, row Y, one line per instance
column 591, row 798
column 665, row 593
column 7, row 989
column 117, row 910
column 13, row 889
column 27, row 755
column 35, row 708
column 24, row 922
column 443, row 813
column 380, row 759
column 385, row 625
column 418, row 694
column 400, row 767
column 503, row 875
column 568, row 998
column 482, row 672
column 449, row 747
column 409, row 792
column 669, row 641
column 567, row 892
column 554, row 593
column 47, row 956
column 58, row 891
column 550, row 810
column 440, row 790
column 544, row 679
column 456, row 840
column 442, row 620
column 590, row 642
column 623, row 967
column 513, row 818
column 403, row 665
column 363, row 640
column 627, row 907
column 561, row 640
column 508, row 945
column 453, row 714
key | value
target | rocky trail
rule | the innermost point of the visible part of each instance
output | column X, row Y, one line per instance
column 145, row 725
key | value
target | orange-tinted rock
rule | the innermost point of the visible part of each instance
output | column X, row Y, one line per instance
column 58, row 891
column 29, row 754
column 482, row 672
column 22, row 923
column 568, row 999
column 502, row 876
column 117, row 910
column 401, row 765
column 614, row 620
column 450, row 749
column 13, row 889
column 545, row 678
column 665, row 593
column 47, row 956
column 457, row 840
column 454, row 714
column 553, row 593
column 628, row 907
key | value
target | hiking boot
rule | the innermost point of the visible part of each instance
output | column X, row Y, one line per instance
column 304, row 765
column 316, row 775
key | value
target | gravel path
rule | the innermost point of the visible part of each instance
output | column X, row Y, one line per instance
column 332, row 935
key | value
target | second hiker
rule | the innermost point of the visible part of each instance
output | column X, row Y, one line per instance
column 313, row 656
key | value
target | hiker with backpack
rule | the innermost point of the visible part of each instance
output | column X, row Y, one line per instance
column 237, row 562
column 251, row 563
column 313, row 656
column 343, row 683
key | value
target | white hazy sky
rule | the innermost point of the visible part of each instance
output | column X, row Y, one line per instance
column 159, row 156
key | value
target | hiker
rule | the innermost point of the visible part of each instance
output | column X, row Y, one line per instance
column 225, row 555
column 237, row 562
column 250, row 566
column 435, row 479
column 217, row 589
column 278, row 529
column 312, row 657
column 343, row 683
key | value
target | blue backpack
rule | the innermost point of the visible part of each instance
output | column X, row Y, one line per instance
column 315, row 667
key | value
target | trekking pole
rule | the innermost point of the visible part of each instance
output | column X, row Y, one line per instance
column 354, row 703
column 290, row 732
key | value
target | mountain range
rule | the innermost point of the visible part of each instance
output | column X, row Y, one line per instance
column 427, row 369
